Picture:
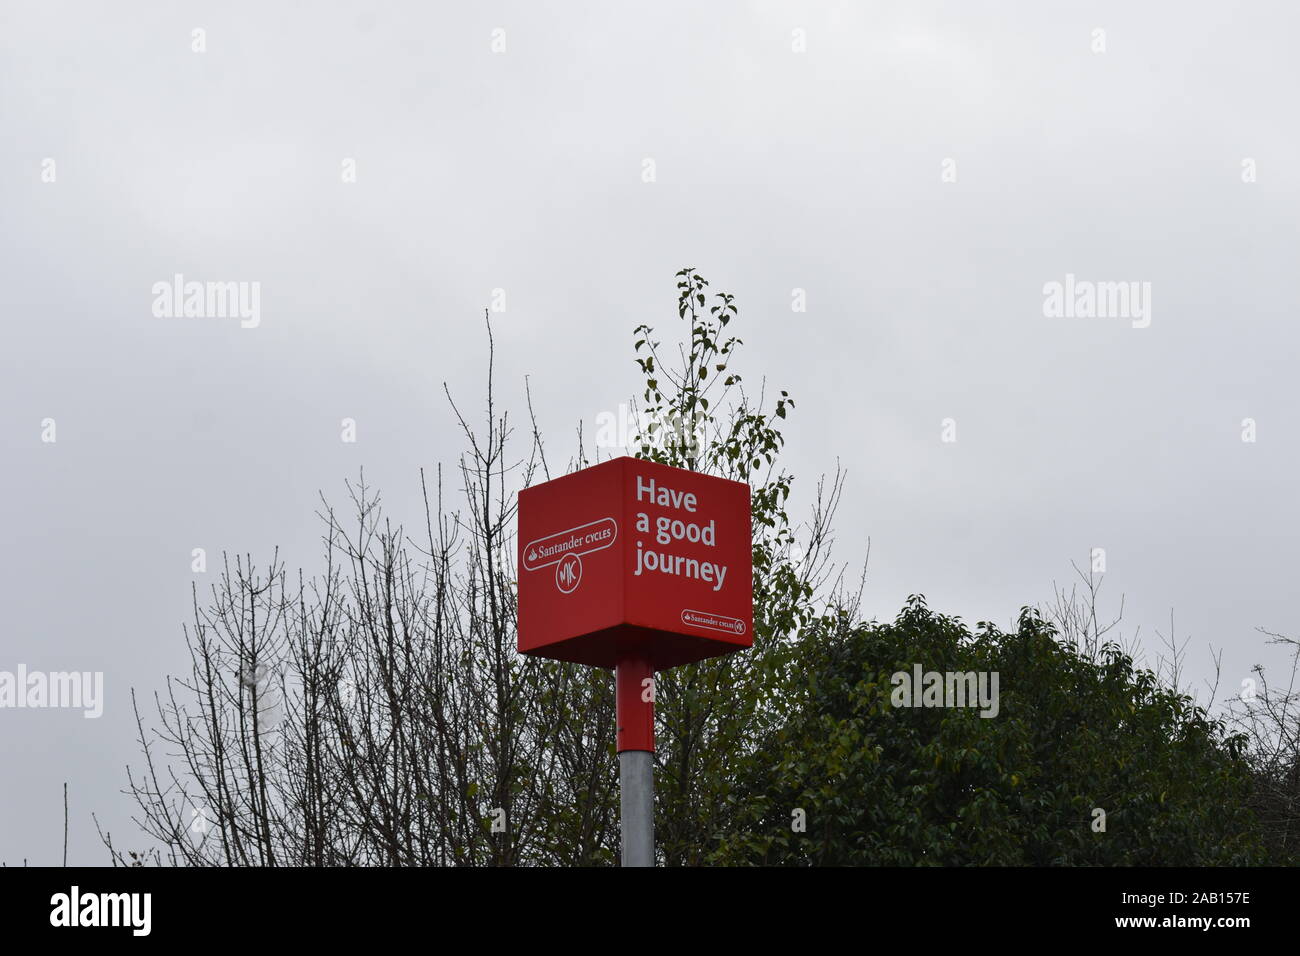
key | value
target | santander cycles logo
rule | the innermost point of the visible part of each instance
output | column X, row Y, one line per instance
column 564, row 551
column 713, row 622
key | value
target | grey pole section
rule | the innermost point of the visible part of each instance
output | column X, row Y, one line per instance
column 636, row 795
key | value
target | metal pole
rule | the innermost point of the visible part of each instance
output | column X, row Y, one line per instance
column 636, row 760
column 636, row 796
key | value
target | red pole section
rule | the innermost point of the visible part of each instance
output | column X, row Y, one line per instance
column 634, row 704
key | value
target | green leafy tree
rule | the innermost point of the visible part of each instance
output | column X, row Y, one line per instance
column 880, row 784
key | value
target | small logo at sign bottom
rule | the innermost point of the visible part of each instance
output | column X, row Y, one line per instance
column 713, row 622
column 568, row 573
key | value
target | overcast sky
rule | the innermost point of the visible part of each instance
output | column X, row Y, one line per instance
column 922, row 171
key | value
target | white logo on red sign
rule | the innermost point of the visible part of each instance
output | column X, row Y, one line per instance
column 713, row 622
column 568, row 573
column 564, row 549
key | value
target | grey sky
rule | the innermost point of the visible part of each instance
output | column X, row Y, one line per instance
column 522, row 170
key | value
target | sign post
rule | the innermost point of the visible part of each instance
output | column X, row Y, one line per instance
column 636, row 567
column 635, row 720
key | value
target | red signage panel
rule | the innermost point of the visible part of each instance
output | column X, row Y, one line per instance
column 630, row 558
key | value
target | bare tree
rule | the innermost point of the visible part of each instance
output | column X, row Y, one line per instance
column 378, row 713
column 1266, row 716
column 1074, row 614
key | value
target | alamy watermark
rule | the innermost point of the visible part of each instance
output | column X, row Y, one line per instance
column 129, row 910
column 83, row 690
column 208, row 300
column 921, row 688
column 627, row 431
column 1085, row 299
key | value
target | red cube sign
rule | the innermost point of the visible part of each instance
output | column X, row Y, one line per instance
column 630, row 558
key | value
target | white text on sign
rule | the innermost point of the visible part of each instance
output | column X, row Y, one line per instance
column 668, row 529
